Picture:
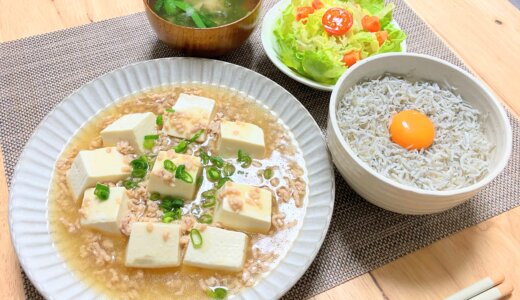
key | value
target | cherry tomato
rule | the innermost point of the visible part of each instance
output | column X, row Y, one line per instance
column 371, row 23
column 337, row 21
column 351, row 58
column 317, row 4
column 303, row 12
column 381, row 37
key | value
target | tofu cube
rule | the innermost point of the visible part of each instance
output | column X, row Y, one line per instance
column 221, row 250
column 164, row 182
column 132, row 128
column 244, row 207
column 192, row 113
column 243, row 136
column 93, row 166
column 104, row 215
column 153, row 245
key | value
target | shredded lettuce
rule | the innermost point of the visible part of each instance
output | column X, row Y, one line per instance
column 309, row 50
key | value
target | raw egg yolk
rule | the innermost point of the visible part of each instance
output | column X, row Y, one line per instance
column 412, row 130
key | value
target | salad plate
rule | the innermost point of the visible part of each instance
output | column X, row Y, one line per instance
column 30, row 198
column 272, row 48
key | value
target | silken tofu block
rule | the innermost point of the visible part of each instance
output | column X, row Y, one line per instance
column 243, row 136
column 104, row 215
column 244, row 207
column 132, row 128
column 93, row 166
column 153, row 245
column 221, row 250
column 164, row 182
column 192, row 113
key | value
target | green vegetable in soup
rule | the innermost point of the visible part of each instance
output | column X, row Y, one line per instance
column 202, row 13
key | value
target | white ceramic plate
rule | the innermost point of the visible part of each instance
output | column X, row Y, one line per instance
column 28, row 203
column 271, row 46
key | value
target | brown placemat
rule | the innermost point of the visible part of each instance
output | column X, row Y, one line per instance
column 38, row 72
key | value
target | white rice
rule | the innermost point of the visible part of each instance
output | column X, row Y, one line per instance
column 459, row 155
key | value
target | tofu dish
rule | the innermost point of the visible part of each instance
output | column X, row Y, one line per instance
column 181, row 192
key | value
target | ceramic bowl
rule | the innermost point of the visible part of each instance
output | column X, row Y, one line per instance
column 207, row 42
column 387, row 193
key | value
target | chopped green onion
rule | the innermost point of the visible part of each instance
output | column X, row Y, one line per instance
column 169, row 166
column 181, row 147
column 222, row 181
column 170, row 110
column 204, row 157
column 196, row 136
column 199, row 181
column 217, row 161
column 244, row 158
column 183, row 6
column 196, row 238
column 169, row 203
column 139, row 167
column 158, row 5
column 206, row 219
column 159, row 120
column 209, row 194
column 169, row 216
column 198, row 20
column 209, row 202
column 268, row 173
column 219, row 293
column 149, row 141
column 169, row 7
column 183, row 175
column 155, row 196
column 228, row 170
column 213, row 173
column 130, row 184
column 102, row 192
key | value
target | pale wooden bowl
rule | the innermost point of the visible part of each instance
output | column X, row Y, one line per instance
column 207, row 42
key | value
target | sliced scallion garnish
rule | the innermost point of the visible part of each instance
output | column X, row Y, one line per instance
column 196, row 136
column 102, row 192
column 170, row 110
column 169, row 203
column 199, row 181
column 183, row 175
column 209, row 194
column 149, row 141
column 169, row 7
column 139, row 167
column 158, row 5
column 206, row 219
column 217, row 161
column 244, row 158
column 268, row 173
column 159, row 120
column 196, row 238
column 155, row 196
column 222, row 181
column 213, row 173
column 130, row 184
column 218, row 293
column 170, row 216
column 204, row 157
column 181, row 147
column 209, row 202
column 169, row 166
column 228, row 170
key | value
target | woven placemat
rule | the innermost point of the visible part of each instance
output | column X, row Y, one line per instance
column 38, row 72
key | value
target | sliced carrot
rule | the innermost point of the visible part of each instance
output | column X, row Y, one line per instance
column 317, row 4
column 303, row 12
column 371, row 23
column 351, row 58
column 381, row 37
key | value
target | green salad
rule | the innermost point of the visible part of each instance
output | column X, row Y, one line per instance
column 321, row 39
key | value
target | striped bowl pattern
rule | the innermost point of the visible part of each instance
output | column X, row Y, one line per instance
column 387, row 193
column 28, row 203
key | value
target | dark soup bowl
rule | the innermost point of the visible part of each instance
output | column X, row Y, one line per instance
column 206, row 42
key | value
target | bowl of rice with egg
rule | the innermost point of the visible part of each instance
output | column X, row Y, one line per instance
column 415, row 134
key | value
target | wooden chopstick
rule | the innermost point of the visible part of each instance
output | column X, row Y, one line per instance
column 478, row 287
